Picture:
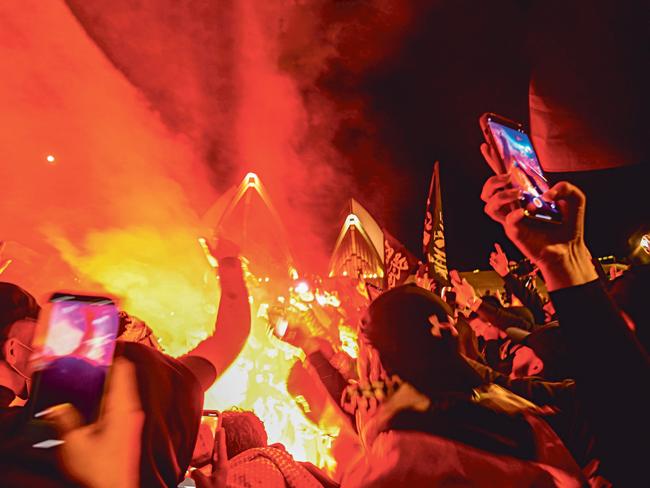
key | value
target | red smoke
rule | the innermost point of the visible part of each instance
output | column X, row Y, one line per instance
column 247, row 82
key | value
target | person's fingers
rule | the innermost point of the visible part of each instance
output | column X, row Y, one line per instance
column 571, row 202
column 122, row 392
column 491, row 157
column 493, row 185
column 513, row 220
column 122, row 420
column 65, row 418
column 497, row 246
column 220, row 453
column 565, row 191
column 453, row 274
column 501, row 204
column 223, row 248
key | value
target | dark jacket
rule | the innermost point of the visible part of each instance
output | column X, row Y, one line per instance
column 612, row 373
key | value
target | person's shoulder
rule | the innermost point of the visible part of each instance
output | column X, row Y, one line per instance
column 157, row 366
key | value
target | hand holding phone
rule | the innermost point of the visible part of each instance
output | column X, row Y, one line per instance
column 205, row 441
column 219, row 467
column 511, row 152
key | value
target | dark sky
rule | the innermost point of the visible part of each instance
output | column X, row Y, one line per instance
column 458, row 60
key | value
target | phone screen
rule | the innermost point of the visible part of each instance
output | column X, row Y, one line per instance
column 73, row 352
column 520, row 160
column 204, row 447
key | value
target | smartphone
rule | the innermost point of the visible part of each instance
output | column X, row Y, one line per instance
column 73, row 351
column 204, row 447
column 518, row 158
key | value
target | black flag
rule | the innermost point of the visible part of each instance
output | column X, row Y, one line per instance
column 399, row 263
column 433, row 239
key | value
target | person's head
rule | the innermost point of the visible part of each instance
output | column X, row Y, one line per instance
column 244, row 430
column 484, row 329
column 413, row 332
column 542, row 353
column 132, row 329
column 523, row 313
column 525, row 362
column 18, row 314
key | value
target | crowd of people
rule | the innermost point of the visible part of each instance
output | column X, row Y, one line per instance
column 526, row 389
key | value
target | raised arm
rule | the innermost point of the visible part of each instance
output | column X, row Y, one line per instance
column 233, row 323
column 610, row 367
column 529, row 298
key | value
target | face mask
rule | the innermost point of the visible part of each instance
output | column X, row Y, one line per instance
column 15, row 368
column 24, row 393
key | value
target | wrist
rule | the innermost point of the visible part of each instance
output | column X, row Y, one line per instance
column 228, row 261
column 570, row 267
column 474, row 303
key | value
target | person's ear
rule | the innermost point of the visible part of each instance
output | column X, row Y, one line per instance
column 9, row 351
column 536, row 366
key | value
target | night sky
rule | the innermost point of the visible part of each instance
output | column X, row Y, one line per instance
column 404, row 84
column 458, row 60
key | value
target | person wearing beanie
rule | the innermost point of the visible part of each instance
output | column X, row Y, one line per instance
column 540, row 353
column 437, row 420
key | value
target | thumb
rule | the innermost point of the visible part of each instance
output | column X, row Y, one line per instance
column 454, row 275
column 65, row 418
column 202, row 481
column 566, row 191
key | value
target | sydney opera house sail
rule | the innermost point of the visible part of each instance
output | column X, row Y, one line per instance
column 359, row 248
column 246, row 215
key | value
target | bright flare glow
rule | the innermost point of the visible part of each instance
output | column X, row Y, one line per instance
column 349, row 342
column 302, row 287
column 50, row 158
column 208, row 255
column 252, row 180
column 257, row 381
column 645, row 243
column 281, row 327
column 352, row 220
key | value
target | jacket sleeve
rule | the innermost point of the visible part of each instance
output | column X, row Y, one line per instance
column 612, row 373
column 331, row 378
column 501, row 318
column 543, row 393
column 530, row 298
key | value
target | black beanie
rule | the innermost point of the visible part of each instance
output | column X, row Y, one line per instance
column 397, row 325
